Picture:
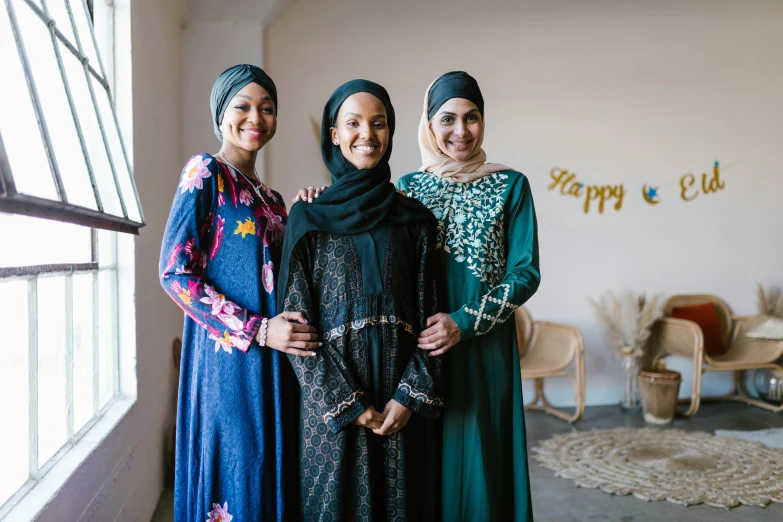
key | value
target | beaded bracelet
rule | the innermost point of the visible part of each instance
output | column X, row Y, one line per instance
column 262, row 332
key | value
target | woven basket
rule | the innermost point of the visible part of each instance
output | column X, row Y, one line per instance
column 659, row 390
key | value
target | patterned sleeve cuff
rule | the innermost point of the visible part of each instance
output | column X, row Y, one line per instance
column 345, row 412
column 481, row 316
column 251, row 330
column 418, row 402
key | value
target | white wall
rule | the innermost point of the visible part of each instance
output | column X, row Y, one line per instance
column 219, row 35
column 123, row 478
column 208, row 48
column 628, row 92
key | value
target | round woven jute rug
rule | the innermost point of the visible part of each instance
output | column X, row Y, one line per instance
column 683, row 467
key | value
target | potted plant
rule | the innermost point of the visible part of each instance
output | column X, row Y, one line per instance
column 627, row 322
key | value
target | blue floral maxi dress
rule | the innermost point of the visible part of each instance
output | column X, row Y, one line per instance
column 238, row 403
column 488, row 246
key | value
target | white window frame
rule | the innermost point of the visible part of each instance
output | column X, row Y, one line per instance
column 14, row 202
column 44, row 482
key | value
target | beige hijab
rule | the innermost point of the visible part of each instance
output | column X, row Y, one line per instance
column 437, row 162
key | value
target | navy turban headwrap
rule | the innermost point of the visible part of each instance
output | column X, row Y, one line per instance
column 230, row 82
column 456, row 84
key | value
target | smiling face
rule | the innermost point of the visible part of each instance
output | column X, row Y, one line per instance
column 362, row 130
column 250, row 119
column 458, row 128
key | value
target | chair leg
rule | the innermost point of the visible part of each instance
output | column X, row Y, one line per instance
column 740, row 394
column 541, row 403
column 695, row 399
column 579, row 387
column 537, row 394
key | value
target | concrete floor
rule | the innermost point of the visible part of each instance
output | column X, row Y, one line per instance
column 558, row 500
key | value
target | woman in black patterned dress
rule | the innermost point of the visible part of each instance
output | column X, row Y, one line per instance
column 360, row 270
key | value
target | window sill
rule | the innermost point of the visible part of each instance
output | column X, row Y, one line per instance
column 31, row 499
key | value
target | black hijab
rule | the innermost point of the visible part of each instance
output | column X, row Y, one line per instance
column 358, row 199
column 455, row 84
column 230, row 82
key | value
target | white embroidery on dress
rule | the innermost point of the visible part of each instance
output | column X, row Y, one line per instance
column 341, row 330
column 344, row 405
column 498, row 317
column 470, row 220
column 408, row 390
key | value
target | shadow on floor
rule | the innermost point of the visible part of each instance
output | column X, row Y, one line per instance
column 165, row 510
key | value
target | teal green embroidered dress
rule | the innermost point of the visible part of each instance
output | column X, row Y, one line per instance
column 488, row 248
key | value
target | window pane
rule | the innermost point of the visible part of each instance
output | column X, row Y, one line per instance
column 103, row 28
column 27, row 241
column 82, row 350
column 107, row 328
column 59, row 13
column 107, row 248
column 54, row 102
column 116, row 150
column 14, row 450
column 52, row 404
column 18, row 124
column 84, row 26
column 92, row 134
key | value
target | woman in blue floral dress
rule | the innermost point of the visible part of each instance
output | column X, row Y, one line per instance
column 237, row 417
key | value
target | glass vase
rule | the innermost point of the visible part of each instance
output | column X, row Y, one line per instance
column 631, row 402
column 769, row 385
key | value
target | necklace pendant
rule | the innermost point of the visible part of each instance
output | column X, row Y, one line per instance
column 256, row 188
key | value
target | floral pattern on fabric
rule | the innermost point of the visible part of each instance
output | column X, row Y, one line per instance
column 228, row 324
column 274, row 230
column 248, row 226
column 195, row 173
column 268, row 277
column 219, row 513
column 237, row 403
column 470, row 220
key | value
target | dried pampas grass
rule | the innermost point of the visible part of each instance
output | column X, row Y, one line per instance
column 770, row 302
column 769, row 323
column 627, row 321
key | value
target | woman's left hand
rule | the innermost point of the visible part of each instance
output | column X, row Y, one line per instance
column 397, row 417
column 442, row 333
column 309, row 194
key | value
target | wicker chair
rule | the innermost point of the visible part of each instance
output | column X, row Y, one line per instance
column 684, row 338
column 546, row 350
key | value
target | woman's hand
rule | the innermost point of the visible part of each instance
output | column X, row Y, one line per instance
column 290, row 333
column 309, row 194
column 442, row 333
column 397, row 417
column 369, row 419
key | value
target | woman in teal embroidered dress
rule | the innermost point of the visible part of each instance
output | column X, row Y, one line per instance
column 357, row 263
column 488, row 249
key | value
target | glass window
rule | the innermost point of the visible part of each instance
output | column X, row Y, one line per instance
column 61, row 151
column 67, row 191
